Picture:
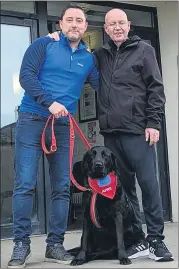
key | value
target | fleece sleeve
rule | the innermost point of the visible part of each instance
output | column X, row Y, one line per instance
column 31, row 64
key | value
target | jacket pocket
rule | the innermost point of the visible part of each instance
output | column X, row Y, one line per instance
column 133, row 108
column 127, row 108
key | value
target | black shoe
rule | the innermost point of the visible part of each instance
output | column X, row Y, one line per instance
column 58, row 254
column 140, row 249
column 21, row 253
column 159, row 252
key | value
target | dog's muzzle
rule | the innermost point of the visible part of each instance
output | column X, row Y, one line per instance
column 98, row 171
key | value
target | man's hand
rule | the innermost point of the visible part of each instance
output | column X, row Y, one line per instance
column 54, row 35
column 58, row 110
column 152, row 134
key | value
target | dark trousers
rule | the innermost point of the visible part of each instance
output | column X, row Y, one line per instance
column 136, row 157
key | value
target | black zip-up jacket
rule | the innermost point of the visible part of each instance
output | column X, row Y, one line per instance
column 131, row 97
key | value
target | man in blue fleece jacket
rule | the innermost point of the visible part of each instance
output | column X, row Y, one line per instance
column 53, row 75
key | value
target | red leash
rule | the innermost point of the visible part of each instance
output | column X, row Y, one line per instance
column 53, row 148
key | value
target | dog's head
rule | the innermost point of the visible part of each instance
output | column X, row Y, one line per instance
column 98, row 162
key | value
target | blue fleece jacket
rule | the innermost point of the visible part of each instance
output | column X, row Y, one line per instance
column 51, row 71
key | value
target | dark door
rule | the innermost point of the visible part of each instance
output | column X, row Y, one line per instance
column 13, row 45
column 150, row 35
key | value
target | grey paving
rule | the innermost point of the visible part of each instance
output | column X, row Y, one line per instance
column 72, row 239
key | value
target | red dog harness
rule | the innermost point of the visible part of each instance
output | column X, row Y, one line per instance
column 104, row 186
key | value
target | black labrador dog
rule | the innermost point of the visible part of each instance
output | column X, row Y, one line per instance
column 115, row 216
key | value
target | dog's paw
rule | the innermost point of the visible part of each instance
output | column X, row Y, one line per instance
column 125, row 261
column 77, row 261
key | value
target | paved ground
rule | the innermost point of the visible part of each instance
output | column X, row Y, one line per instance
column 73, row 239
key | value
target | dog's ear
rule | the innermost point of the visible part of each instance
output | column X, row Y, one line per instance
column 114, row 163
column 77, row 173
column 85, row 162
column 77, row 169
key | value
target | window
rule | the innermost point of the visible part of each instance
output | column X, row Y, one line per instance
column 27, row 7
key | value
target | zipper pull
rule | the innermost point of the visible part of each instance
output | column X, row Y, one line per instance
column 71, row 58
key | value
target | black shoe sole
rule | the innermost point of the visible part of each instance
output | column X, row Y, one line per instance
column 165, row 260
column 160, row 259
column 57, row 261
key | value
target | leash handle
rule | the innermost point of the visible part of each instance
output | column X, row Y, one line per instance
column 53, row 146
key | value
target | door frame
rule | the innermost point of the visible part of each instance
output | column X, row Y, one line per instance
column 38, row 226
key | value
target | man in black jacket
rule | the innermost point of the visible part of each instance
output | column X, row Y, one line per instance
column 130, row 108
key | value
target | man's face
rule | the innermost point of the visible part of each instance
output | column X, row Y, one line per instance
column 73, row 24
column 117, row 25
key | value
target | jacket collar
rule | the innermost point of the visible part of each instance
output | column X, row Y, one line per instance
column 66, row 42
column 127, row 44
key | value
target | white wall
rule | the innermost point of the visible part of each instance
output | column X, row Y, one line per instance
column 168, row 34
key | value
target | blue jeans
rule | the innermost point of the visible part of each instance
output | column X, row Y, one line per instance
column 28, row 151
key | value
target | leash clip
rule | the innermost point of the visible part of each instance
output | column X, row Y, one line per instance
column 53, row 148
column 88, row 189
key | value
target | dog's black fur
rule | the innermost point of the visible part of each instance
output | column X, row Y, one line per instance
column 113, row 215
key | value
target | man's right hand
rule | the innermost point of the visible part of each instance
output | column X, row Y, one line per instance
column 152, row 135
column 54, row 35
column 58, row 110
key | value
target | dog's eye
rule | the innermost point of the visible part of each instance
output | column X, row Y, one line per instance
column 103, row 154
column 94, row 153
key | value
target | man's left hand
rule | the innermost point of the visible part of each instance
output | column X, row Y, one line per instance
column 152, row 135
column 54, row 35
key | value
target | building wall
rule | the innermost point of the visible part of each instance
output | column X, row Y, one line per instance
column 168, row 34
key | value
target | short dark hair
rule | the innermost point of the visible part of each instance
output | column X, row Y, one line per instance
column 72, row 6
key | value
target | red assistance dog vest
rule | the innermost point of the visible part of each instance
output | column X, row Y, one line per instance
column 105, row 186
